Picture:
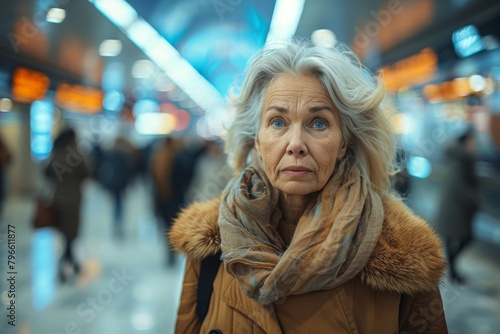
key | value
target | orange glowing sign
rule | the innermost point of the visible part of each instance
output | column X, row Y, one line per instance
column 79, row 98
column 455, row 89
column 416, row 69
column 29, row 85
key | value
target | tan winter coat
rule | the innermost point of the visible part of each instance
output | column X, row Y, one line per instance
column 397, row 291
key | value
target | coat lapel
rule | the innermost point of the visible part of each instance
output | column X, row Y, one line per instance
column 262, row 315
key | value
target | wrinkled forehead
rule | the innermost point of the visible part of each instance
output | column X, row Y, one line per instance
column 287, row 87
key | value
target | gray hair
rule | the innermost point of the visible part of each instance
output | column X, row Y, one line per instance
column 357, row 94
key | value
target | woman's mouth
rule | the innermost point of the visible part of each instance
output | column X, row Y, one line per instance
column 296, row 171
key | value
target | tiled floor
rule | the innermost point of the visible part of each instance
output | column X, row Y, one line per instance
column 126, row 286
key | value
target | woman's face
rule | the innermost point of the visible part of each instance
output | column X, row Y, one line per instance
column 299, row 138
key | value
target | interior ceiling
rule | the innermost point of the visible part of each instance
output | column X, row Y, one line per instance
column 216, row 37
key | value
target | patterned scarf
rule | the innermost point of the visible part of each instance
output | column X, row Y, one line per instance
column 333, row 239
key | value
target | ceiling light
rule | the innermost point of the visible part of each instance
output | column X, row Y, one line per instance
column 110, row 48
column 324, row 37
column 143, row 69
column 117, row 11
column 163, row 54
column 477, row 83
column 151, row 123
column 56, row 15
column 467, row 41
column 285, row 19
column 5, row 105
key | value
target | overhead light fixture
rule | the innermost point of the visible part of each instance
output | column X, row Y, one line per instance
column 477, row 83
column 162, row 53
column 117, row 11
column 467, row 41
column 110, row 48
column 5, row 105
column 324, row 37
column 151, row 123
column 285, row 19
column 143, row 69
column 56, row 15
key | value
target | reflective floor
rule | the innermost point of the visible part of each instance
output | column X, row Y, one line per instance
column 126, row 286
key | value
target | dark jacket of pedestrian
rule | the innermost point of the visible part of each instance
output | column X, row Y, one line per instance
column 67, row 170
column 460, row 197
column 5, row 159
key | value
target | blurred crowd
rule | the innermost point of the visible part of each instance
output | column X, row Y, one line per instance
column 177, row 171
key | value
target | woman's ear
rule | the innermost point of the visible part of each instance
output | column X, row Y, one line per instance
column 257, row 146
column 342, row 150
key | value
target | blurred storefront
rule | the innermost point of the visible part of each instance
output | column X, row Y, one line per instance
column 443, row 78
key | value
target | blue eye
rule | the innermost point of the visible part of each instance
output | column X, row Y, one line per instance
column 319, row 124
column 277, row 123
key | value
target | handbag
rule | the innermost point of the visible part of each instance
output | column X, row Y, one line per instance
column 45, row 215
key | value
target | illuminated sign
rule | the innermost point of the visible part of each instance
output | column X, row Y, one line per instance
column 410, row 71
column 456, row 89
column 41, row 124
column 29, row 85
column 78, row 98
column 467, row 41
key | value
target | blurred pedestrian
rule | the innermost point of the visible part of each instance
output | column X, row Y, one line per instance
column 460, row 198
column 5, row 159
column 172, row 170
column 166, row 203
column 133, row 153
column 211, row 173
column 114, row 173
column 67, row 170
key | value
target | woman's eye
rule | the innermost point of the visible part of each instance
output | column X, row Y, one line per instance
column 277, row 123
column 319, row 124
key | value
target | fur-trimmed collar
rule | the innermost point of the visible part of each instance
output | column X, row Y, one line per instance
column 407, row 259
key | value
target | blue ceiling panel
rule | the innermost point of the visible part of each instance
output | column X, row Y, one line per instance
column 216, row 37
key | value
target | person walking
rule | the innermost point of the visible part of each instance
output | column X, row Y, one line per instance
column 172, row 170
column 460, row 199
column 67, row 171
column 114, row 173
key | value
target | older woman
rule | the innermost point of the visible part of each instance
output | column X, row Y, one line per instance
column 311, row 238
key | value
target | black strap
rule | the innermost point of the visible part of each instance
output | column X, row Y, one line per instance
column 208, row 271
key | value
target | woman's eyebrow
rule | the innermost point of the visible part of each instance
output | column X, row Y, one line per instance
column 277, row 108
column 311, row 109
column 320, row 108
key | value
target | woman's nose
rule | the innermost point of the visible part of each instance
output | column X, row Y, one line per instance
column 296, row 142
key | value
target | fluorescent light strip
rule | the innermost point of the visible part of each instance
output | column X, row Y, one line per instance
column 117, row 11
column 162, row 53
column 285, row 19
